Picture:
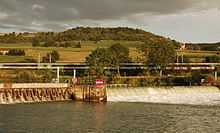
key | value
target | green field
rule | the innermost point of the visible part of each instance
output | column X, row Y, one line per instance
column 66, row 54
column 79, row 54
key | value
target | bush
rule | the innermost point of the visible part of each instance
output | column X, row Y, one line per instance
column 35, row 42
column 51, row 57
column 25, row 77
column 16, row 52
column 196, row 77
column 212, row 59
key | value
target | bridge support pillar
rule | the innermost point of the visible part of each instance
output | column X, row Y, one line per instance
column 74, row 73
column 161, row 73
column 216, row 75
column 58, row 74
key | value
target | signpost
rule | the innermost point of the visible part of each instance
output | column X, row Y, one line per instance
column 99, row 82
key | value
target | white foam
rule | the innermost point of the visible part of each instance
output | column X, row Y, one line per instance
column 200, row 95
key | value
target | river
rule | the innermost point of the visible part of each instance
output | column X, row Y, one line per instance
column 111, row 117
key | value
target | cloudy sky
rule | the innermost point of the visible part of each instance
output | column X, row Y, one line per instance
column 183, row 20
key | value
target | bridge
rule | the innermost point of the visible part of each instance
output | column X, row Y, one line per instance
column 126, row 66
column 123, row 66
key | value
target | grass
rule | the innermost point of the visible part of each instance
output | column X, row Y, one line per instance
column 66, row 54
column 4, row 58
column 198, row 53
column 79, row 54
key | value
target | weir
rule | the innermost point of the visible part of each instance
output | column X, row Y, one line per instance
column 30, row 93
column 48, row 92
column 197, row 95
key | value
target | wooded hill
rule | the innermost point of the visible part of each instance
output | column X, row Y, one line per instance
column 85, row 34
column 204, row 46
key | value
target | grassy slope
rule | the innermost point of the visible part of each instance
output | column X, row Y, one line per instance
column 79, row 54
column 66, row 54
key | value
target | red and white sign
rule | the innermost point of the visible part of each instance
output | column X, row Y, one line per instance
column 99, row 82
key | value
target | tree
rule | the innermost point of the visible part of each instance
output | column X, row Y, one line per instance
column 35, row 42
column 159, row 53
column 25, row 77
column 55, row 55
column 196, row 77
column 120, row 54
column 16, row 52
column 98, row 60
column 51, row 57
column 212, row 59
column 49, row 42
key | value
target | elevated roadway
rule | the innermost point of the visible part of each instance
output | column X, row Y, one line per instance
column 125, row 66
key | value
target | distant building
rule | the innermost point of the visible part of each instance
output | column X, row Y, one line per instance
column 183, row 47
column 3, row 52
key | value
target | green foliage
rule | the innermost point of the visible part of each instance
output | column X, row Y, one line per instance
column 35, row 42
column 51, row 57
column 16, row 52
column 39, row 76
column 98, row 60
column 55, row 55
column 15, row 38
column 25, row 77
column 212, row 59
column 204, row 46
column 134, row 82
column 47, row 76
column 196, row 77
column 159, row 53
column 102, row 58
column 67, row 44
column 81, row 34
column 49, row 42
column 120, row 53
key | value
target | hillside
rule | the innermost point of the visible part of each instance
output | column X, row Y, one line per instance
column 84, row 34
column 204, row 46
column 75, row 44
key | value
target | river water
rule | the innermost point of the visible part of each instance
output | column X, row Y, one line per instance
column 111, row 117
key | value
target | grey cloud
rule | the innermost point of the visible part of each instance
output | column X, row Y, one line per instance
column 57, row 15
column 67, row 10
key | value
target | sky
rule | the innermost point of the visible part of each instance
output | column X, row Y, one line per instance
column 182, row 20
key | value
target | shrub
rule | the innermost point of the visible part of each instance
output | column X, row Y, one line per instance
column 16, row 52
column 25, row 77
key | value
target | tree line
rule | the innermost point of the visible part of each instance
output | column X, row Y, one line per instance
column 16, row 38
column 156, row 54
column 72, row 37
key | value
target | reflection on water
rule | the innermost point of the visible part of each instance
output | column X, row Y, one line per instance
column 79, row 117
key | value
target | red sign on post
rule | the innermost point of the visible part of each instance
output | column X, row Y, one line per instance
column 99, row 82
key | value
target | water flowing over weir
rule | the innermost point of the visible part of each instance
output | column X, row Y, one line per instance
column 28, row 93
column 199, row 95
